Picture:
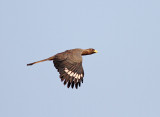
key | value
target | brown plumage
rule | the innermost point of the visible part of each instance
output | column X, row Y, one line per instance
column 69, row 65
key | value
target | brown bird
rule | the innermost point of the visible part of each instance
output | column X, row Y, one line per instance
column 69, row 65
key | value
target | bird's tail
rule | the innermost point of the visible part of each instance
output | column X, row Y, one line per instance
column 48, row 59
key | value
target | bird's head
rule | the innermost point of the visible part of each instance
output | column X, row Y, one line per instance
column 89, row 51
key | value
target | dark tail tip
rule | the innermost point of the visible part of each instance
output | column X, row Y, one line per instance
column 29, row 64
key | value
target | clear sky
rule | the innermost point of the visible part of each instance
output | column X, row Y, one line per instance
column 122, row 80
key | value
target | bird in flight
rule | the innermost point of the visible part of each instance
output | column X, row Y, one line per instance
column 69, row 65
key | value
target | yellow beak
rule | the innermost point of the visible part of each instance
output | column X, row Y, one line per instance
column 95, row 51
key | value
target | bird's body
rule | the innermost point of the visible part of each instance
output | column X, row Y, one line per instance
column 69, row 65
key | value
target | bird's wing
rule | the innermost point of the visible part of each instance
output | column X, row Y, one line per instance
column 70, row 72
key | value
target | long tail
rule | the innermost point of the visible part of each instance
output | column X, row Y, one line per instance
column 48, row 59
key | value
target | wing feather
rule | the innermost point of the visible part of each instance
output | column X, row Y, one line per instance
column 70, row 72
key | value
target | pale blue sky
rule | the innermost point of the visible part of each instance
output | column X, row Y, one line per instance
column 122, row 80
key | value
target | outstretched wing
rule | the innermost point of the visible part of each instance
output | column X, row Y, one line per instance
column 71, row 73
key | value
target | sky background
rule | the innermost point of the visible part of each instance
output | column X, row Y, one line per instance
column 122, row 80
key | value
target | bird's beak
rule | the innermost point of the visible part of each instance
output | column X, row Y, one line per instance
column 95, row 51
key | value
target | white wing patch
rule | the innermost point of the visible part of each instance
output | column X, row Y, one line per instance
column 72, row 74
column 79, row 76
column 69, row 72
column 66, row 70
